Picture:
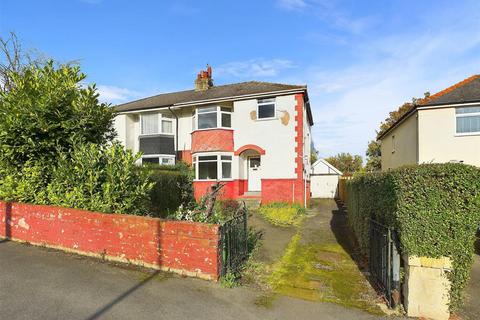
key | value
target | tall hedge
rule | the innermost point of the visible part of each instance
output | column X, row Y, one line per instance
column 172, row 187
column 434, row 208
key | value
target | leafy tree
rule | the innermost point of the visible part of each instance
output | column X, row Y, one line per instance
column 374, row 157
column 346, row 162
column 46, row 111
column 313, row 153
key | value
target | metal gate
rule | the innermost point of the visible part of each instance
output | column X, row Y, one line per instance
column 234, row 241
column 385, row 261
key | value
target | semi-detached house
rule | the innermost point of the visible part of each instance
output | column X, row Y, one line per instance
column 253, row 136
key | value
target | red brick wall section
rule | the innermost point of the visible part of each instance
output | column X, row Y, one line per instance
column 231, row 190
column 212, row 140
column 179, row 246
column 282, row 190
column 185, row 156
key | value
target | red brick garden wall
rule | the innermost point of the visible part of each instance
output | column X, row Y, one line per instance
column 179, row 246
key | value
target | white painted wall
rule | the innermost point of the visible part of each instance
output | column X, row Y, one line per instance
column 277, row 139
column 400, row 146
column 438, row 141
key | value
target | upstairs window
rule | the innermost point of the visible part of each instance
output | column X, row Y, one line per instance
column 468, row 120
column 213, row 117
column 266, row 108
column 156, row 123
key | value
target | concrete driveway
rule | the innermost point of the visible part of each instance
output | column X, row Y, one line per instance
column 38, row 283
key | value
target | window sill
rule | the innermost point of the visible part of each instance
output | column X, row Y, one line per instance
column 155, row 135
column 209, row 129
column 213, row 180
column 469, row 134
column 266, row 119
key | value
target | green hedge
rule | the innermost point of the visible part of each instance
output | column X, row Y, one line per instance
column 435, row 209
column 172, row 187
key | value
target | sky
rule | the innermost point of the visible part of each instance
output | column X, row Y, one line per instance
column 359, row 59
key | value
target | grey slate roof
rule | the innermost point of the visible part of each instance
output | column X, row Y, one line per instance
column 215, row 92
column 466, row 91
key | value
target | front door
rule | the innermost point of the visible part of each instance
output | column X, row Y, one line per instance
column 254, row 173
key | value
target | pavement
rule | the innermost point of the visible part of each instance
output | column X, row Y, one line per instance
column 40, row 283
column 471, row 309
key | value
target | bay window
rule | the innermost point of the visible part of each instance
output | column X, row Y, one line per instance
column 468, row 120
column 212, row 167
column 155, row 123
column 158, row 159
column 212, row 117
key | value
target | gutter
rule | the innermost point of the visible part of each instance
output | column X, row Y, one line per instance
column 176, row 131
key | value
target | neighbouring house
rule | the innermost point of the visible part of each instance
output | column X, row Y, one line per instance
column 324, row 179
column 444, row 127
column 253, row 136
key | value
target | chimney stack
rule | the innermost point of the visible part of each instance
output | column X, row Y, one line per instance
column 204, row 79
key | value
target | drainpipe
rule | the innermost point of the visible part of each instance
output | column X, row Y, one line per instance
column 176, row 132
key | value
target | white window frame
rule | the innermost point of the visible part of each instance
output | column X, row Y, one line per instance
column 160, row 157
column 219, row 161
column 267, row 103
column 160, row 118
column 463, row 115
column 219, row 113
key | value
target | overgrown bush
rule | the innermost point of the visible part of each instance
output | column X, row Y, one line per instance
column 46, row 112
column 434, row 208
column 55, row 145
column 101, row 179
column 282, row 213
column 172, row 187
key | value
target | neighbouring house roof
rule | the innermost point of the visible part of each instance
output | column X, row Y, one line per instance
column 229, row 91
column 327, row 164
column 465, row 91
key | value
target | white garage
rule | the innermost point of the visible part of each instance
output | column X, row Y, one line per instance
column 324, row 180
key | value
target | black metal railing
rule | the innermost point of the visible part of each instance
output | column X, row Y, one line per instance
column 234, row 241
column 384, row 261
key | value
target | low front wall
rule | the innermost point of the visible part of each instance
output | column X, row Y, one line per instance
column 183, row 247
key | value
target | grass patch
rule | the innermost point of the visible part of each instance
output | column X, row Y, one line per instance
column 321, row 272
column 282, row 214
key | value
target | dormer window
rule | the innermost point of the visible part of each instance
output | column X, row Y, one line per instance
column 266, row 108
column 213, row 117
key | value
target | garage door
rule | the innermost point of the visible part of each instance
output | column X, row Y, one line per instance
column 324, row 186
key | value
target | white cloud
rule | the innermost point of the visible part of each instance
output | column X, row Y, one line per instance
column 254, row 68
column 113, row 94
column 331, row 12
column 292, row 4
column 349, row 104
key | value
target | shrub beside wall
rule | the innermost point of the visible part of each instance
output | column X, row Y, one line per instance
column 172, row 187
column 435, row 209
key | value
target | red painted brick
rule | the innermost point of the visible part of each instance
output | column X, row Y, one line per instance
column 181, row 245
column 212, row 140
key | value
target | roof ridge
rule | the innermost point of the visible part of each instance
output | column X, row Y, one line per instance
column 449, row 89
column 219, row 86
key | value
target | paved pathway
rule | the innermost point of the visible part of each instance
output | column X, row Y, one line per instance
column 38, row 283
column 471, row 310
